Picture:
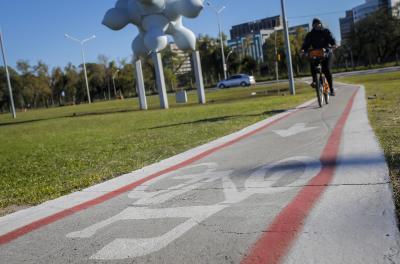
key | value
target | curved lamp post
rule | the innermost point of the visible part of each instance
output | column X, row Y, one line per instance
column 82, row 42
column 218, row 12
column 8, row 76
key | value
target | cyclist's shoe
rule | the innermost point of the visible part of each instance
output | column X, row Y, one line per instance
column 313, row 85
column 332, row 93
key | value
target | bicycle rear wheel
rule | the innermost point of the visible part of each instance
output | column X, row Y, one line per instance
column 325, row 90
column 326, row 98
column 319, row 89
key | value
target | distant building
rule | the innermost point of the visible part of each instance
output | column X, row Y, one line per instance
column 252, row 44
column 254, row 27
column 362, row 11
column 304, row 27
column 346, row 25
column 183, row 57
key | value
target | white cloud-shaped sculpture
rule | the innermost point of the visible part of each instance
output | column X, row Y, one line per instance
column 155, row 20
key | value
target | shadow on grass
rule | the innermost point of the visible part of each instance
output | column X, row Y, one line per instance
column 219, row 119
column 225, row 118
column 69, row 116
column 99, row 113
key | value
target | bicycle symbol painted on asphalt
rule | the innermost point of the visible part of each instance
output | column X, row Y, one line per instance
column 257, row 183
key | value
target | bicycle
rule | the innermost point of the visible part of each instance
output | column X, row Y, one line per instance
column 321, row 86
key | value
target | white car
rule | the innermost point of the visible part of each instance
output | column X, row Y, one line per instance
column 237, row 80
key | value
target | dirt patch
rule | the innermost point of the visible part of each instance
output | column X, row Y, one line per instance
column 12, row 209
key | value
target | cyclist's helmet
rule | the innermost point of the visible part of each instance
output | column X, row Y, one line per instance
column 317, row 24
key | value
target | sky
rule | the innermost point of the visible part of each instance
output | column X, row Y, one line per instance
column 34, row 30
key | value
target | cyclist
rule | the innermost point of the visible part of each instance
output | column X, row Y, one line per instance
column 320, row 38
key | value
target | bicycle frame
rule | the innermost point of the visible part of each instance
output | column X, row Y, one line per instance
column 322, row 86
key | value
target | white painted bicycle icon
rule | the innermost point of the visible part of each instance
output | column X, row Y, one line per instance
column 264, row 180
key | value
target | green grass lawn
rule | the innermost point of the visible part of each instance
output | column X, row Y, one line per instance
column 383, row 91
column 47, row 153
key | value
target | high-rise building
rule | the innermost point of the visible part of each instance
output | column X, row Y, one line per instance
column 362, row 11
column 254, row 27
column 248, row 39
column 294, row 30
column 183, row 58
column 251, row 45
column 346, row 25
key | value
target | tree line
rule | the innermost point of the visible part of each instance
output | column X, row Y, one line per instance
column 38, row 86
column 374, row 40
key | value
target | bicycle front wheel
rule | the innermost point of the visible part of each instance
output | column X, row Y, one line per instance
column 326, row 90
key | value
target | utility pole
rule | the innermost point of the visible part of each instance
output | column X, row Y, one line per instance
column 288, row 51
column 8, row 76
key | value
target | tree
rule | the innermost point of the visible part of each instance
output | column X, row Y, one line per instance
column 210, row 61
column 125, row 80
column 71, row 83
column 58, row 84
column 249, row 65
column 269, row 50
column 104, row 61
column 296, row 41
column 27, row 83
column 42, row 90
column 111, row 71
column 4, row 91
column 376, row 38
column 97, row 80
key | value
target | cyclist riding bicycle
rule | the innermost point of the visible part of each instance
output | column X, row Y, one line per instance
column 320, row 38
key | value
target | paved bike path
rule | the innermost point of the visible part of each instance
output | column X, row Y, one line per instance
column 307, row 186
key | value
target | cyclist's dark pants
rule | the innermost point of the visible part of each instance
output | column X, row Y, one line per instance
column 326, row 69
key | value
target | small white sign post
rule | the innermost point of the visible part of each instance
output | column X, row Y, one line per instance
column 162, row 90
column 199, row 77
column 140, row 85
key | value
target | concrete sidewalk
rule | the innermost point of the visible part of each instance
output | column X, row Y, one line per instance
column 354, row 222
column 306, row 186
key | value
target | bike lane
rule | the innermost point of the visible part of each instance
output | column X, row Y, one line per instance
column 209, row 209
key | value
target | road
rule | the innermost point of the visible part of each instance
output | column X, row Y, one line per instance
column 309, row 185
column 344, row 74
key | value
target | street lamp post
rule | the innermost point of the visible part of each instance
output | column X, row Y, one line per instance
column 288, row 51
column 8, row 76
column 113, row 79
column 218, row 12
column 83, row 60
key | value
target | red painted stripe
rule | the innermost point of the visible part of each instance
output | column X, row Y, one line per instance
column 8, row 237
column 276, row 242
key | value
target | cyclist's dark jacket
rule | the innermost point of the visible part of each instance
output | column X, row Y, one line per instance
column 318, row 39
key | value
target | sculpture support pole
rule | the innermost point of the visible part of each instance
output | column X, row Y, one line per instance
column 140, row 85
column 199, row 77
column 162, row 91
